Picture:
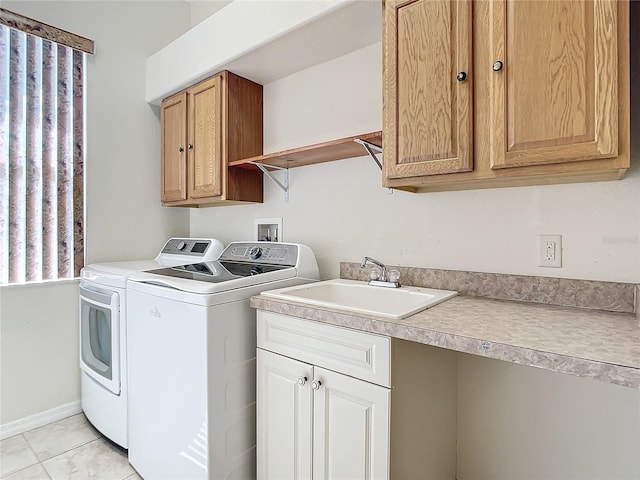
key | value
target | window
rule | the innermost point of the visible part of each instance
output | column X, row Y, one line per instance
column 41, row 152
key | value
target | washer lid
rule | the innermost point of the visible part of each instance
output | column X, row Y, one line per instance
column 215, row 277
column 241, row 264
column 216, row 272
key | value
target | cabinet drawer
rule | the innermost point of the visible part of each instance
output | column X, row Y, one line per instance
column 358, row 354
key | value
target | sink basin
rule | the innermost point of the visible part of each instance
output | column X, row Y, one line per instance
column 360, row 297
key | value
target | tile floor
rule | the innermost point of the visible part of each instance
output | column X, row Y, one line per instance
column 70, row 449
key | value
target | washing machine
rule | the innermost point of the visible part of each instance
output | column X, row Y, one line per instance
column 192, row 346
column 103, row 354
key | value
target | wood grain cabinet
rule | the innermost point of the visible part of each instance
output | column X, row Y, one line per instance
column 505, row 92
column 205, row 127
column 428, row 117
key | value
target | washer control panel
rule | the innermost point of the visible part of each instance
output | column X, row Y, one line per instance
column 261, row 252
column 186, row 246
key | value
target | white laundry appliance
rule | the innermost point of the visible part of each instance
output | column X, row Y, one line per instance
column 192, row 346
column 103, row 354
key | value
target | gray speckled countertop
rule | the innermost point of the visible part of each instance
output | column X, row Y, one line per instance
column 586, row 343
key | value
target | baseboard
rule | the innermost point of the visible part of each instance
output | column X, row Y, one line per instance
column 39, row 419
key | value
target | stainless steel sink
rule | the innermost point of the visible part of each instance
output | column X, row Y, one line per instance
column 360, row 297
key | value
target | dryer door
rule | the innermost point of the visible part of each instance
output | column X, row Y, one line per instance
column 99, row 336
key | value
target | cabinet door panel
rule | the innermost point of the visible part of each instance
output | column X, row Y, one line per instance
column 350, row 428
column 284, row 409
column 555, row 100
column 174, row 155
column 205, row 137
column 428, row 112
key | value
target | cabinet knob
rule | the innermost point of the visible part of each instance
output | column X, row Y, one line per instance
column 189, row 146
column 302, row 381
column 316, row 384
column 180, row 149
column 497, row 66
column 461, row 77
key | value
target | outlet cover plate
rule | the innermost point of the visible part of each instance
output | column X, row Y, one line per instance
column 550, row 250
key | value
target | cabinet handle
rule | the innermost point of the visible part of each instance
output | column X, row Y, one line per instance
column 189, row 146
column 316, row 384
column 461, row 77
column 181, row 149
column 497, row 66
column 302, row 381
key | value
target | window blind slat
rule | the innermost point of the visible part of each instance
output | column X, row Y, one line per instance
column 4, row 157
column 33, row 221
column 49, row 161
column 17, row 151
column 65, row 164
column 78, row 161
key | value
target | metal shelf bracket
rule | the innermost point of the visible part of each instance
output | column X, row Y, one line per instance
column 284, row 185
column 370, row 147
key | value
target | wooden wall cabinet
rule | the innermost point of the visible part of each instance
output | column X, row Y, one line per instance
column 204, row 127
column 505, row 92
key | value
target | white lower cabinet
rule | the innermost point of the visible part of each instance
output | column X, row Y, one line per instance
column 284, row 417
column 350, row 427
column 315, row 423
column 330, row 404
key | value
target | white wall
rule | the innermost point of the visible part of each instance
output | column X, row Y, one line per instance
column 517, row 422
column 201, row 9
column 39, row 345
column 122, row 190
column 340, row 210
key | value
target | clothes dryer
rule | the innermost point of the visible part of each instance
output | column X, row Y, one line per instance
column 103, row 354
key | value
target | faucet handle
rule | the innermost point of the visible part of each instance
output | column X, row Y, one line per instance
column 393, row 275
column 374, row 273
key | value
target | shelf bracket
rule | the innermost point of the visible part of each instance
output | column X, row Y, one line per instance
column 370, row 147
column 284, row 185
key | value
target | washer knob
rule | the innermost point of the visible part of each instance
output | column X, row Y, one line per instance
column 181, row 245
column 255, row 253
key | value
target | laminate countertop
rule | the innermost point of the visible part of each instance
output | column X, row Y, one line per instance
column 586, row 343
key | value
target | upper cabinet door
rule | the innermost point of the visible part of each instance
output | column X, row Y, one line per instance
column 428, row 118
column 205, row 139
column 174, row 152
column 554, row 96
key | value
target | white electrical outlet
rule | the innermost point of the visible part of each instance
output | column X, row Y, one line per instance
column 551, row 251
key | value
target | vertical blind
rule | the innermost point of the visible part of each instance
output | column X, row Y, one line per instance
column 41, row 159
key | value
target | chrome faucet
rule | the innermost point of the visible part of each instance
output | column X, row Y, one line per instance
column 383, row 279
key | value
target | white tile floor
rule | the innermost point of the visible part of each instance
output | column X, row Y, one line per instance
column 70, row 449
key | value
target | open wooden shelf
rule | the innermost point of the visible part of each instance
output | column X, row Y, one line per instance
column 317, row 153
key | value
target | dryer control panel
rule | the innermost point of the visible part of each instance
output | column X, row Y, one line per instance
column 186, row 246
column 272, row 253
